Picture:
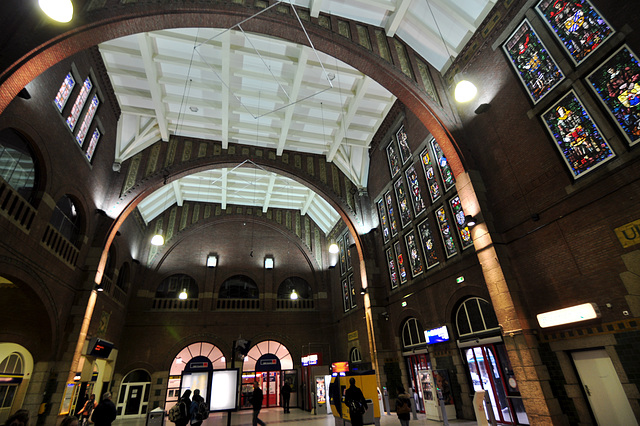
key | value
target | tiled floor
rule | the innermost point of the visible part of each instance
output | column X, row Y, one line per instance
column 275, row 416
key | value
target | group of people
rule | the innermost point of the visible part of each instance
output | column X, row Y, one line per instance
column 189, row 407
column 353, row 393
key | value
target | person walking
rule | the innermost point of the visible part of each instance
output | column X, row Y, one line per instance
column 403, row 406
column 195, row 408
column 87, row 410
column 286, row 396
column 105, row 413
column 184, row 404
column 354, row 397
column 256, row 402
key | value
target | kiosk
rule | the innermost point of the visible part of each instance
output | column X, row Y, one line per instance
column 367, row 383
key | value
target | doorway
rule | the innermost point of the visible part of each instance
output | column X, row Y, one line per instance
column 133, row 397
column 601, row 385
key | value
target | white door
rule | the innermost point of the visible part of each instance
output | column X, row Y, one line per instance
column 609, row 403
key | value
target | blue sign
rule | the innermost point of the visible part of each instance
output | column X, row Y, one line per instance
column 437, row 335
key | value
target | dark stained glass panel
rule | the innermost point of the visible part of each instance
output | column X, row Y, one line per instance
column 384, row 223
column 394, row 159
column 415, row 260
column 393, row 224
column 430, row 175
column 461, row 222
column 414, row 189
column 536, row 69
column 402, row 272
column 403, row 203
column 576, row 135
column 443, row 165
column 445, row 231
column 617, row 83
column 403, row 143
column 428, row 244
column 391, row 264
column 580, row 28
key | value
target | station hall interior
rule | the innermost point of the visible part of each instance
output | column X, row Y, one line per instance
column 297, row 192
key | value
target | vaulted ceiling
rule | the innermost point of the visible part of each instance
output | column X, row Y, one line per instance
column 229, row 85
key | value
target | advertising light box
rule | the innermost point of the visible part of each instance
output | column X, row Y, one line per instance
column 437, row 335
column 224, row 390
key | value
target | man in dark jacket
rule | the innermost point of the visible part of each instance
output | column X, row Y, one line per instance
column 256, row 402
column 184, row 404
column 354, row 394
column 286, row 396
column 105, row 413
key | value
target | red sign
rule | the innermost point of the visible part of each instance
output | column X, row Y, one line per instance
column 340, row 367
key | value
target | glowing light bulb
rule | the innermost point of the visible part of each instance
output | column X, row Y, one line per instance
column 58, row 10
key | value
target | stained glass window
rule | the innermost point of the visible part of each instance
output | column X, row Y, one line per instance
column 352, row 292
column 415, row 260
column 343, row 257
column 400, row 262
column 393, row 224
column 394, row 160
column 461, row 222
column 580, row 28
column 430, row 175
column 443, row 165
column 576, row 135
column 445, row 231
column 345, row 295
column 347, row 246
column 428, row 244
column 391, row 264
column 93, row 142
column 86, row 121
column 536, row 69
column 72, row 120
column 403, row 143
column 414, row 188
column 384, row 224
column 617, row 82
column 65, row 91
column 403, row 203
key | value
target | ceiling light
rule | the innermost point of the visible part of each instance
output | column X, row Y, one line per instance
column 58, row 10
column 183, row 295
column 294, row 295
column 158, row 239
column 212, row 261
column 268, row 263
column 465, row 91
column 333, row 248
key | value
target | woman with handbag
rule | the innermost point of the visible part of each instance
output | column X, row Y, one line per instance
column 403, row 407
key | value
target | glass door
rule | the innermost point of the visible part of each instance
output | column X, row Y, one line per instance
column 417, row 366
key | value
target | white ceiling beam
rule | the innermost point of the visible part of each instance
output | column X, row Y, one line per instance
column 314, row 8
column 177, row 192
column 307, row 204
column 394, row 19
column 453, row 12
column 147, row 53
column 295, row 91
column 226, row 76
column 269, row 192
column 138, row 111
column 223, row 185
column 352, row 108
column 144, row 138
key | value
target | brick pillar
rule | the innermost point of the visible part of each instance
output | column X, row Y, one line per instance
column 522, row 346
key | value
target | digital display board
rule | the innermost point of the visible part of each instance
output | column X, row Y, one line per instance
column 224, row 390
column 437, row 335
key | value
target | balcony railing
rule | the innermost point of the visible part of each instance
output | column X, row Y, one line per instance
column 295, row 305
column 238, row 304
column 60, row 246
column 119, row 295
column 15, row 208
column 174, row 305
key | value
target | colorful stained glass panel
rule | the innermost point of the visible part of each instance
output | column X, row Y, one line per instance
column 86, row 121
column 535, row 67
column 93, row 143
column 402, row 271
column 391, row 264
column 393, row 224
column 72, row 120
column 428, row 244
column 65, row 91
column 347, row 246
column 343, row 257
column 394, row 159
column 617, row 83
column 577, row 24
column 346, row 303
column 384, row 223
column 403, row 203
column 443, row 165
column 461, row 222
column 445, row 231
column 414, row 189
column 403, row 143
column 430, row 175
column 415, row 260
column 576, row 135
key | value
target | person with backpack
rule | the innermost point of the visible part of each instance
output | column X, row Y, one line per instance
column 198, row 409
column 180, row 414
column 403, row 406
column 354, row 398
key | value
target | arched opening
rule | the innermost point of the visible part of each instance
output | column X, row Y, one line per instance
column 18, row 166
column 133, row 397
column 294, row 293
column 171, row 287
column 16, row 366
column 418, row 363
column 66, row 220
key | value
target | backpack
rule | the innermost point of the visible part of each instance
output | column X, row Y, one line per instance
column 403, row 406
column 356, row 407
column 203, row 411
column 175, row 414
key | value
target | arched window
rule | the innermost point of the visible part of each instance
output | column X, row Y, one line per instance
column 412, row 334
column 474, row 316
column 171, row 287
column 239, row 287
column 133, row 398
column 124, row 277
column 137, row 376
column 267, row 347
column 11, row 368
column 66, row 220
column 355, row 356
column 109, row 267
column 17, row 163
column 300, row 285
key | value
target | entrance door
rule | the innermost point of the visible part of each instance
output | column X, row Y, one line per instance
column 602, row 386
column 134, row 398
column 271, row 388
column 417, row 366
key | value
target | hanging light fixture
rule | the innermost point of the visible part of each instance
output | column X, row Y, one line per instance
column 58, row 10
column 464, row 90
column 183, row 294
column 294, row 295
column 158, row 238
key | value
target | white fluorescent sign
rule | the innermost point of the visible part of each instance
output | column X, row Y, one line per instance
column 224, row 389
column 583, row 312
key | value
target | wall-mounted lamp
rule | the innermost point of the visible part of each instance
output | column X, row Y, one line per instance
column 58, row 10
column 333, row 248
column 268, row 263
column 212, row 261
column 294, row 295
column 482, row 108
column 385, row 315
column 183, row 294
column 470, row 221
column 99, row 287
column 158, row 239
column 364, row 290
